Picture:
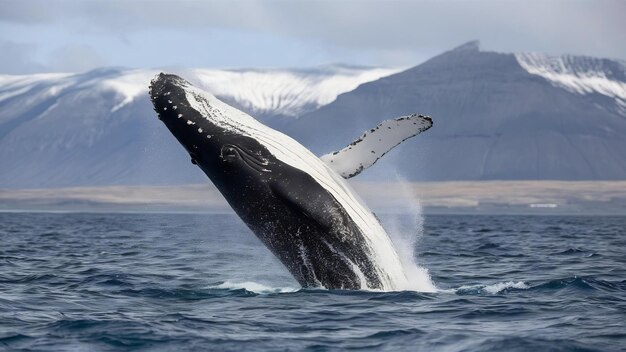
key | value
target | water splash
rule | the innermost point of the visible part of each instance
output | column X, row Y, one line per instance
column 405, row 232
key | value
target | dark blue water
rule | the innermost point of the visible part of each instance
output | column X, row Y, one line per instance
column 203, row 282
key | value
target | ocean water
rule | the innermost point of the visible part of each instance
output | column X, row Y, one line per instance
column 170, row 282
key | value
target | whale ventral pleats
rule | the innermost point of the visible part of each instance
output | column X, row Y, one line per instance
column 301, row 208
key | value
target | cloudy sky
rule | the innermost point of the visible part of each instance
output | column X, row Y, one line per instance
column 49, row 35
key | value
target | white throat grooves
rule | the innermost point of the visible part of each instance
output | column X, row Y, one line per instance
column 289, row 151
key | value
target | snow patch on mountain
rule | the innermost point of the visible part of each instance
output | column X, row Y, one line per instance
column 579, row 74
column 129, row 85
column 12, row 86
column 268, row 92
column 286, row 92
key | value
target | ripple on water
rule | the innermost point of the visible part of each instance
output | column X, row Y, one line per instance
column 202, row 281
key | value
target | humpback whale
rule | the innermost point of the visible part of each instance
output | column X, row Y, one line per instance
column 299, row 205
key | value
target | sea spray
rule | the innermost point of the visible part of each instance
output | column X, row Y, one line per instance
column 405, row 226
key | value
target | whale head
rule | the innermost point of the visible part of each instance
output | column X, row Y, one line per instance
column 216, row 135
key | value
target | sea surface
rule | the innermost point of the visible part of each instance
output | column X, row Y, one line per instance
column 174, row 282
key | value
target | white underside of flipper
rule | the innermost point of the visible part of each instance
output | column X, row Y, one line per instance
column 373, row 144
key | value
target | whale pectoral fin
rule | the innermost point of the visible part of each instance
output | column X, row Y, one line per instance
column 373, row 144
column 309, row 207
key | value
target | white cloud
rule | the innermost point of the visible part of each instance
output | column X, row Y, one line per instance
column 16, row 58
column 74, row 58
column 393, row 32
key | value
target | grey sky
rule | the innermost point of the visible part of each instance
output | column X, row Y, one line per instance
column 47, row 35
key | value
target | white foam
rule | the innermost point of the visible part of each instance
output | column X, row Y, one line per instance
column 493, row 289
column 254, row 287
column 496, row 288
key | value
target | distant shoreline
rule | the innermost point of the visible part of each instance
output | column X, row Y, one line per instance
column 455, row 197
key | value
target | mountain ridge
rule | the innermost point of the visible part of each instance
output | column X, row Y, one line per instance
column 98, row 127
column 497, row 116
column 493, row 119
column 265, row 92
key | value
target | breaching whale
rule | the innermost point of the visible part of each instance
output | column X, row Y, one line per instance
column 299, row 205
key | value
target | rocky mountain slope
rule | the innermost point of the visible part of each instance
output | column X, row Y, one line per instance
column 497, row 116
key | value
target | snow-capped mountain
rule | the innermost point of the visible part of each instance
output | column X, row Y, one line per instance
column 496, row 116
column 99, row 128
column 269, row 93
column 580, row 74
column 290, row 93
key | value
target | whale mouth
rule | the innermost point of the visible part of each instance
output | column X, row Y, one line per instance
column 160, row 84
column 165, row 92
column 231, row 152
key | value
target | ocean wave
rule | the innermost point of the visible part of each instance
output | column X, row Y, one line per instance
column 491, row 289
column 517, row 343
column 577, row 251
column 574, row 283
column 253, row 287
column 582, row 283
column 185, row 294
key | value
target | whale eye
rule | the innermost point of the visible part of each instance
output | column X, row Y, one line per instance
column 229, row 153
